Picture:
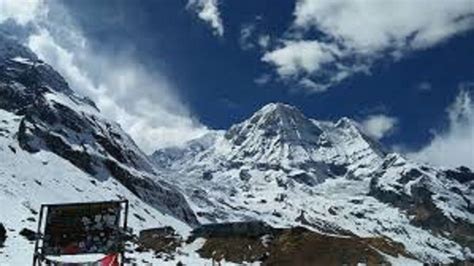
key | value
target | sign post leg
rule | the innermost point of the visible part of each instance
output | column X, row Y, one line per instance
column 122, row 261
column 38, row 236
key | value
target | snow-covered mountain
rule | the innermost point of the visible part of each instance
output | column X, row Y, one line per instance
column 289, row 170
column 278, row 166
column 56, row 147
column 54, row 118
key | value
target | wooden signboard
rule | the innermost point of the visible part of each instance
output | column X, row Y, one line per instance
column 81, row 228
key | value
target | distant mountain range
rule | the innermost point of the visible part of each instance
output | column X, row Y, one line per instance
column 278, row 166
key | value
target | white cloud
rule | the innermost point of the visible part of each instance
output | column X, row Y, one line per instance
column 312, row 86
column 208, row 11
column 379, row 126
column 297, row 57
column 364, row 31
column 454, row 146
column 369, row 26
column 22, row 11
column 143, row 101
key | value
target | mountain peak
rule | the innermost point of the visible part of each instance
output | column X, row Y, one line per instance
column 277, row 106
column 277, row 110
column 277, row 115
column 274, row 120
column 345, row 121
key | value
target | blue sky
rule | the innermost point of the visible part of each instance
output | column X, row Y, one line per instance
column 401, row 64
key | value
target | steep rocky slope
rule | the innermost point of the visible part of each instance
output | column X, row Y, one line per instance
column 288, row 170
column 56, row 147
column 54, row 118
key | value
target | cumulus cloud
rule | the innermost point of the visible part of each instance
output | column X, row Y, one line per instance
column 360, row 32
column 300, row 57
column 379, row 126
column 143, row 101
column 454, row 146
column 208, row 11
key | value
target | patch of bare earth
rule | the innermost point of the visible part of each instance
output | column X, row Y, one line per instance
column 297, row 246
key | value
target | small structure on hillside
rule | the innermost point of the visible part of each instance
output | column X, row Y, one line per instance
column 81, row 228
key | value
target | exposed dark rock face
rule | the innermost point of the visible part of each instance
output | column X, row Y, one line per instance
column 3, row 234
column 28, row 234
column 461, row 174
column 157, row 193
column 338, row 170
column 416, row 193
column 244, row 175
column 207, row 175
column 58, row 120
column 304, row 178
